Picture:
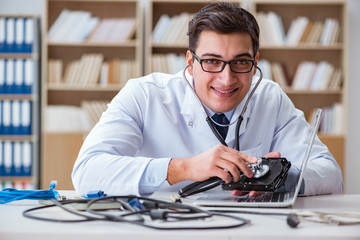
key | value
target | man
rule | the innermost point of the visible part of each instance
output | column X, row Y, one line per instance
column 154, row 133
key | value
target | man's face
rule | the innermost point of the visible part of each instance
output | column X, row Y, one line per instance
column 223, row 91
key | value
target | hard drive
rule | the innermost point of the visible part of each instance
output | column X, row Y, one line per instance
column 269, row 175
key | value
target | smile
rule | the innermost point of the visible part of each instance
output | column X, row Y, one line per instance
column 224, row 92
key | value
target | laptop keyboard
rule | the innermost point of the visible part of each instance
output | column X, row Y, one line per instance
column 265, row 197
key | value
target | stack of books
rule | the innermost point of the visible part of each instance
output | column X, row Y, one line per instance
column 91, row 70
column 168, row 63
column 79, row 26
column 172, row 29
column 94, row 110
column 308, row 75
column 301, row 30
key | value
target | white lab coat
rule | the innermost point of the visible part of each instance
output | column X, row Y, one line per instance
column 158, row 117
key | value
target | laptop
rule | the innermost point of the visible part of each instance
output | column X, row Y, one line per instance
column 268, row 199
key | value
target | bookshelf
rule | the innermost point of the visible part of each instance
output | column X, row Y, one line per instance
column 291, row 55
column 19, row 101
column 88, row 66
column 172, row 41
column 149, row 53
column 314, row 49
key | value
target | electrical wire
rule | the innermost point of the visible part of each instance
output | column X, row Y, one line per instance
column 145, row 212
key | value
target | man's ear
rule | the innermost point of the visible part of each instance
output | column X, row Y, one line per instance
column 189, row 62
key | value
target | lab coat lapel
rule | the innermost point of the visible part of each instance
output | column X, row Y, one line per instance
column 230, row 138
column 193, row 113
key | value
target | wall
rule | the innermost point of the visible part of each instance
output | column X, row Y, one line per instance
column 352, row 167
column 352, row 164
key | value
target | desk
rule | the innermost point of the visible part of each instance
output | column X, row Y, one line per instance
column 14, row 226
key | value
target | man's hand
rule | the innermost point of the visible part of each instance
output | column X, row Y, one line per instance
column 254, row 193
column 211, row 163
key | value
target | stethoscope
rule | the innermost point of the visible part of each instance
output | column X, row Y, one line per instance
column 201, row 186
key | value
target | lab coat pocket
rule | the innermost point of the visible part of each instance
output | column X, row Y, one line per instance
column 255, row 151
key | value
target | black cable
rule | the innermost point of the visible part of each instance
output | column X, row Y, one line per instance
column 166, row 211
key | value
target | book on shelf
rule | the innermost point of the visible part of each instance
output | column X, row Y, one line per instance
column 171, row 29
column 332, row 119
column 113, row 30
column 272, row 29
column 117, row 72
column 301, row 30
column 317, row 76
column 76, row 119
column 72, row 26
column 94, row 109
column 168, row 63
column 92, row 70
column 275, row 71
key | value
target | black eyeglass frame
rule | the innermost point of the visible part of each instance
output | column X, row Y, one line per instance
column 224, row 63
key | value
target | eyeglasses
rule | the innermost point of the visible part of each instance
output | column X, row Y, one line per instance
column 213, row 65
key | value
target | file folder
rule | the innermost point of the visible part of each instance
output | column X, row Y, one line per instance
column 6, row 107
column 8, row 158
column 19, row 35
column 19, row 76
column 10, row 35
column 2, row 75
column 2, row 34
column 15, row 119
column 9, row 76
column 17, row 161
column 27, row 158
column 25, row 117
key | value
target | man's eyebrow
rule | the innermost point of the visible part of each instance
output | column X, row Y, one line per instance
column 219, row 56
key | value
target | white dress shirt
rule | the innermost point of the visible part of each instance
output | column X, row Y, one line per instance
column 158, row 117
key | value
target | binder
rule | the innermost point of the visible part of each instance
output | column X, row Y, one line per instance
column 29, row 35
column 25, row 117
column 2, row 75
column 17, row 162
column 6, row 114
column 2, row 34
column 1, row 118
column 19, row 76
column 1, row 159
column 9, row 76
column 27, row 158
column 19, row 35
column 15, row 110
column 10, row 35
column 8, row 158
column 29, row 75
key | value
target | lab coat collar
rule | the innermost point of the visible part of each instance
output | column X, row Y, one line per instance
column 195, row 114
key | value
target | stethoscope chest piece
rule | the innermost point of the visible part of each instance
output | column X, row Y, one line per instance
column 259, row 169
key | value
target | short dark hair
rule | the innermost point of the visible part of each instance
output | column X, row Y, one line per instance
column 223, row 17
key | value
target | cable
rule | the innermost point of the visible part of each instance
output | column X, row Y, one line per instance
column 140, row 211
column 8, row 195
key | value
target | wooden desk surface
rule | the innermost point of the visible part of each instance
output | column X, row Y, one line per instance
column 14, row 226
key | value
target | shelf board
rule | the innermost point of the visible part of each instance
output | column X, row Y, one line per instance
column 24, row 178
column 170, row 45
column 97, row 88
column 30, row 138
column 331, row 136
column 312, row 47
column 131, row 43
column 302, row 2
column 20, row 96
column 19, row 55
column 312, row 92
